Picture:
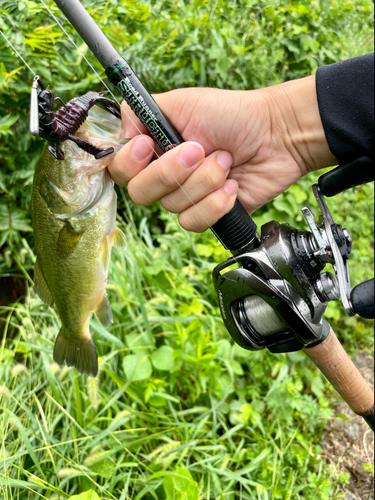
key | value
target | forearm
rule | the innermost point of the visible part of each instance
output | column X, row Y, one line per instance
column 295, row 115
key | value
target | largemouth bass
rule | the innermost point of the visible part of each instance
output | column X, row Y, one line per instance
column 74, row 219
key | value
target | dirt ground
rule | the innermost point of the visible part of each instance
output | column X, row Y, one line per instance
column 349, row 443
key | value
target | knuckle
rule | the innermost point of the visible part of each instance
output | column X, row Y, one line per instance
column 135, row 194
column 187, row 221
column 169, row 205
column 219, row 205
column 212, row 178
column 118, row 176
column 166, row 178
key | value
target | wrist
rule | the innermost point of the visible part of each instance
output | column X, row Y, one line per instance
column 294, row 112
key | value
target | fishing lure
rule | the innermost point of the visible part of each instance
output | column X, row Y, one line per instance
column 57, row 127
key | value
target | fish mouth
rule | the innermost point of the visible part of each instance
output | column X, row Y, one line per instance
column 102, row 130
column 103, row 126
column 102, row 143
column 91, row 180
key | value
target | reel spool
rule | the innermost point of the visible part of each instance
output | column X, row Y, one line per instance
column 262, row 317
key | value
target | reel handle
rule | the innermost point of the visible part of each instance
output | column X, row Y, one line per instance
column 335, row 364
column 362, row 299
column 352, row 174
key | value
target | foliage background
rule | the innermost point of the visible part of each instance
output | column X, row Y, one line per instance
column 202, row 418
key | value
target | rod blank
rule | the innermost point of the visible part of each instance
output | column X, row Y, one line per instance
column 84, row 24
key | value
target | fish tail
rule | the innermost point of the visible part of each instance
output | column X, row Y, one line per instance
column 76, row 351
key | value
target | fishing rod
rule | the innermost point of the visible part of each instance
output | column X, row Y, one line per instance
column 236, row 229
column 277, row 296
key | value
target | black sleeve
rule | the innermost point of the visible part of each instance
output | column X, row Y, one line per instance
column 346, row 103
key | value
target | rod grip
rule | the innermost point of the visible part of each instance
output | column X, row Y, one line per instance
column 237, row 230
column 335, row 364
column 362, row 298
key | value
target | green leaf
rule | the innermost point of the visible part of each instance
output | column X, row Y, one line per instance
column 137, row 367
column 162, row 359
column 6, row 123
column 138, row 341
column 237, row 368
column 292, row 47
column 101, row 463
column 317, row 386
column 282, row 205
column 224, row 65
column 87, row 495
column 13, row 218
column 299, row 194
column 223, row 349
column 6, row 354
column 157, row 267
column 181, row 486
column 205, row 250
column 239, row 49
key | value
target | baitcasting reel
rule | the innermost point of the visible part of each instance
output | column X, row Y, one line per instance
column 277, row 295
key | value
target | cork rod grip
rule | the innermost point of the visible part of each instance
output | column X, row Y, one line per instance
column 335, row 364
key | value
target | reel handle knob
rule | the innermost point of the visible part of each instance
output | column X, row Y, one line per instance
column 362, row 298
column 352, row 174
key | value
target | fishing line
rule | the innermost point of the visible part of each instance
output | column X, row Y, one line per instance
column 76, row 46
column 17, row 53
column 131, row 120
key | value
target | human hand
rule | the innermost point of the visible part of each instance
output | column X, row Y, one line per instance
column 252, row 145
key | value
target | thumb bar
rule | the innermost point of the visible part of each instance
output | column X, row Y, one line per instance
column 335, row 364
column 144, row 106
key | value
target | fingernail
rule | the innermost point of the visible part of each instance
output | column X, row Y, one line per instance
column 225, row 160
column 190, row 155
column 141, row 148
column 231, row 187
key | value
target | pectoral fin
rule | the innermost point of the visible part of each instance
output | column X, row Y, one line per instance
column 68, row 240
column 104, row 312
column 106, row 253
column 41, row 286
column 118, row 239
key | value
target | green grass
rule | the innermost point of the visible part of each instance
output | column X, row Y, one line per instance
column 241, row 423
